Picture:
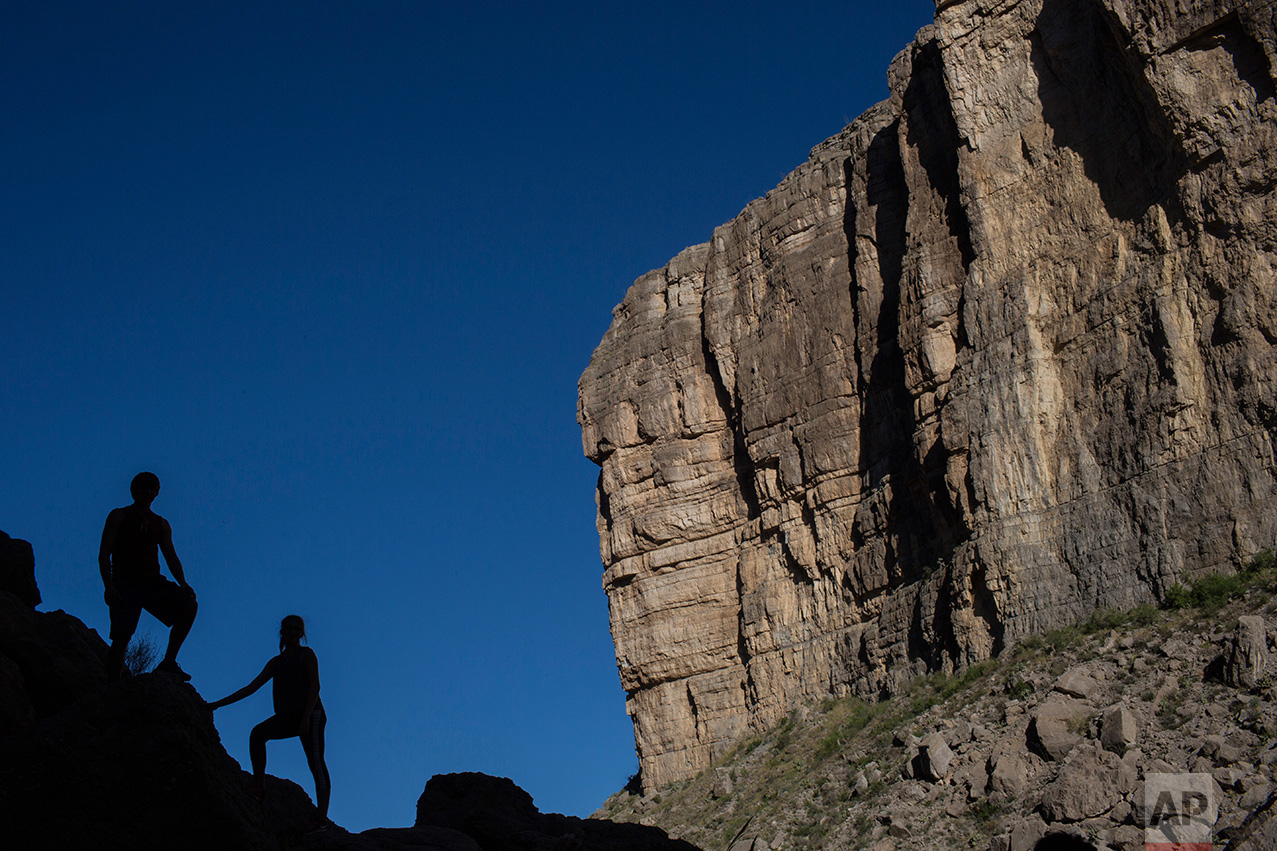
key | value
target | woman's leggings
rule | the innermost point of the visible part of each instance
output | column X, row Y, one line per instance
column 284, row 727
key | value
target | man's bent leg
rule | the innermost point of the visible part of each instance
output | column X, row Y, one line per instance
column 181, row 629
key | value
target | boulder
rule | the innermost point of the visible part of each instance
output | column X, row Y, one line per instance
column 1119, row 729
column 723, row 785
column 1026, row 834
column 1054, row 728
column 500, row 816
column 1077, row 682
column 1009, row 773
column 934, row 758
column 1090, row 782
column 1247, row 658
column 491, row 810
column 50, row 659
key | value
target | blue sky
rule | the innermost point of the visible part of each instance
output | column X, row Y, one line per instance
column 332, row 270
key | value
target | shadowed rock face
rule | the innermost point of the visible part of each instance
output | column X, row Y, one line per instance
column 500, row 816
column 17, row 570
column 139, row 765
column 998, row 354
column 136, row 766
column 84, row 766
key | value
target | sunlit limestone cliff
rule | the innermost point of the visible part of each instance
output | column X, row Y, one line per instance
column 998, row 354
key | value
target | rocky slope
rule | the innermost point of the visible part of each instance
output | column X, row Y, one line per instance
column 140, row 766
column 1058, row 736
column 997, row 355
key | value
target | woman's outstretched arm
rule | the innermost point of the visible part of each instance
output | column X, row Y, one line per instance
column 258, row 682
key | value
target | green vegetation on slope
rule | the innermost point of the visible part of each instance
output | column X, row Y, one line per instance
column 825, row 776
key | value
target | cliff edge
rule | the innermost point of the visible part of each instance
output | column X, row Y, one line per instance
column 998, row 354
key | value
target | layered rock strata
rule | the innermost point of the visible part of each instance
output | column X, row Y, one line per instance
column 999, row 353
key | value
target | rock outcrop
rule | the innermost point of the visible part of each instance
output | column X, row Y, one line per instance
column 139, row 765
column 17, row 570
column 998, row 354
column 500, row 816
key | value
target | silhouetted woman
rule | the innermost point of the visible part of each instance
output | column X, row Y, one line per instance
column 298, row 710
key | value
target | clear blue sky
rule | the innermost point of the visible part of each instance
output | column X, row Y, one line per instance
column 332, row 271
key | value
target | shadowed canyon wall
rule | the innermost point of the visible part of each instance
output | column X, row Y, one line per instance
column 999, row 353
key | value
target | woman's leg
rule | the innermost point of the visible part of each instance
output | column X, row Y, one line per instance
column 313, row 743
column 272, row 728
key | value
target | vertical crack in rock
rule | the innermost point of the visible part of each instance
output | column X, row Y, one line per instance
column 933, row 133
column 741, row 463
column 1127, row 146
column 984, row 605
column 997, row 354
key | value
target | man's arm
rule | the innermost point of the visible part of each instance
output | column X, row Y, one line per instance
column 109, row 532
column 170, row 556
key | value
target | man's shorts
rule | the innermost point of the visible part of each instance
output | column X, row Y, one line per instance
column 167, row 600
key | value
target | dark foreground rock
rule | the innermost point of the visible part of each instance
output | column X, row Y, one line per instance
column 139, row 766
column 500, row 816
column 17, row 570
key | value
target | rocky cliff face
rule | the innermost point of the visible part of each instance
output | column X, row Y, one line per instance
column 999, row 353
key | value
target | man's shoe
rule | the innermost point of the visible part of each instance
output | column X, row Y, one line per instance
column 171, row 667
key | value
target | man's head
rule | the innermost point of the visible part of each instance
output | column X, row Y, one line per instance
column 145, row 487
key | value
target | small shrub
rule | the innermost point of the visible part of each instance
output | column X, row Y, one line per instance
column 1178, row 597
column 863, row 825
column 1018, row 689
column 1144, row 615
column 1062, row 639
column 1028, row 645
column 921, row 704
column 1214, row 590
column 985, row 811
column 784, row 735
column 973, row 674
column 1103, row 620
column 141, row 655
column 1262, row 562
column 1207, row 593
column 848, row 718
column 1168, row 713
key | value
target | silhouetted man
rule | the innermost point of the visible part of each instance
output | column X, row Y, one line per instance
column 129, row 560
